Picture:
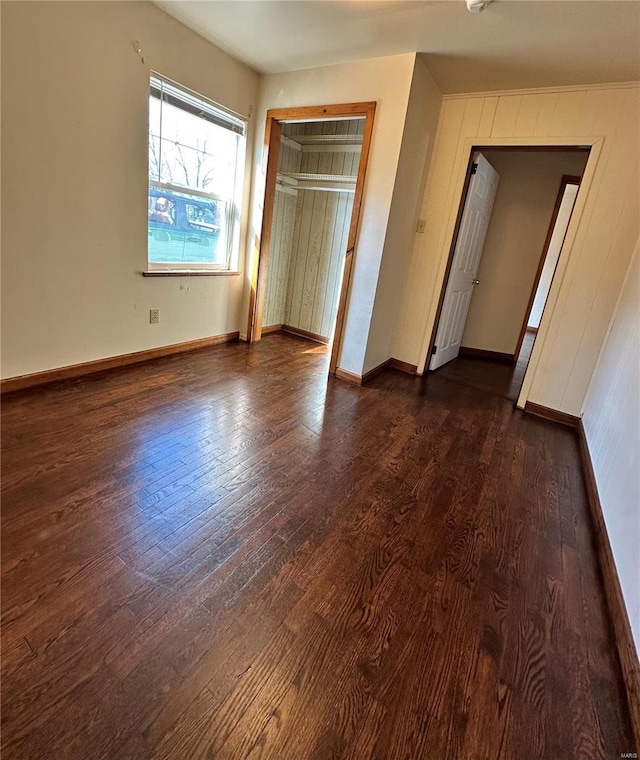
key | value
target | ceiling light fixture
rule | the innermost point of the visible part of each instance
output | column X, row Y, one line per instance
column 477, row 6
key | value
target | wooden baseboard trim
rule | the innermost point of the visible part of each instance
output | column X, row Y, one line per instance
column 551, row 414
column 410, row 369
column 74, row 371
column 271, row 329
column 623, row 635
column 350, row 377
column 305, row 334
column 481, row 353
column 368, row 376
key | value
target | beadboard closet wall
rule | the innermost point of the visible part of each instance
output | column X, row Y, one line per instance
column 315, row 186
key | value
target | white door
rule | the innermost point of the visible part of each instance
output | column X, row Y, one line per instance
column 466, row 259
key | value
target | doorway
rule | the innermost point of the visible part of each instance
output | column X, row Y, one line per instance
column 316, row 162
column 563, row 209
column 512, row 222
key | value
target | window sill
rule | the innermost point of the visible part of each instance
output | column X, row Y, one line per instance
column 189, row 273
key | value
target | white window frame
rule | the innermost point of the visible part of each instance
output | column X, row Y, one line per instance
column 199, row 106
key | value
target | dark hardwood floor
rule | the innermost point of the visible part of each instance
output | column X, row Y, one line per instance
column 220, row 555
column 488, row 375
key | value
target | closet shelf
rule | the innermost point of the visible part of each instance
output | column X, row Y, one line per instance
column 324, row 143
column 305, row 177
column 293, row 181
column 327, row 139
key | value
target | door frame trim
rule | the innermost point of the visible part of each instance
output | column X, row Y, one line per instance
column 567, row 179
column 271, row 150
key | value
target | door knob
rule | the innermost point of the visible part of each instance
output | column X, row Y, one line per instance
column 475, row 282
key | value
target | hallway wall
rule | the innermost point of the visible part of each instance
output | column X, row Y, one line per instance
column 418, row 138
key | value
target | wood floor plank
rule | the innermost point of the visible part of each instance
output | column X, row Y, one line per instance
column 223, row 555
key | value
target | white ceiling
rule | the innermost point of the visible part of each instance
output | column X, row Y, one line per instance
column 513, row 44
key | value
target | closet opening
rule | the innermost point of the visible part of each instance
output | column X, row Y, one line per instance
column 316, row 164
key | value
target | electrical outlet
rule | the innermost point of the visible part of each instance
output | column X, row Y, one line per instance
column 154, row 316
column 420, row 226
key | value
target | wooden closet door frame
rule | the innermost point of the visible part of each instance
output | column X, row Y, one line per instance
column 567, row 179
column 273, row 131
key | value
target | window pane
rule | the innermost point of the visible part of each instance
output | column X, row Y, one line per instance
column 154, row 116
column 187, row 230
column 188, row 151
column 196, row 153
column 210, row 168
column 154, row 158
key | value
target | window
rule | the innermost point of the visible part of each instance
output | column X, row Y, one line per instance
column 196, row 165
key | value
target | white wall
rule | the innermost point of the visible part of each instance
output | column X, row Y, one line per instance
column 600, row 239
column 612, row 424
column 387, row 81
column 551, row 259
column 524, row 203
column 417, row 140
column 74, row 181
